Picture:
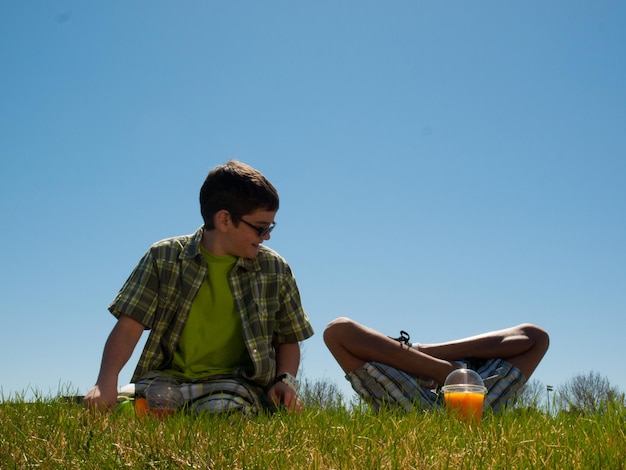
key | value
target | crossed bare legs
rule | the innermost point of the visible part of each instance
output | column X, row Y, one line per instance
column 353, row 344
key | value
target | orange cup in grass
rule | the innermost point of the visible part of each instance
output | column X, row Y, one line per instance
column 141, row 407
column 464, row 394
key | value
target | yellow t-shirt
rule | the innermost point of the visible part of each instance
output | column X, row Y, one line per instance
column 212, row 341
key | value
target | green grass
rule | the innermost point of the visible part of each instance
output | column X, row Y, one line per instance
column 52, row 433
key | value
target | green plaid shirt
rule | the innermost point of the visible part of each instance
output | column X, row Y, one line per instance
column 160, row 290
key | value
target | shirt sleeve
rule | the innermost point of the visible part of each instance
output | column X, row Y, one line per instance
column 293, row 323
column 138, row 297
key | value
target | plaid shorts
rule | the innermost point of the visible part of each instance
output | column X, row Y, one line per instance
column 382, row 385
column 215, row 395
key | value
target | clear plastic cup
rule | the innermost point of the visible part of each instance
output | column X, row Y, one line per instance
column 163, row 398
column 464, row 394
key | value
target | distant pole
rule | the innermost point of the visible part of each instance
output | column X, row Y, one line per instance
column 549, row 388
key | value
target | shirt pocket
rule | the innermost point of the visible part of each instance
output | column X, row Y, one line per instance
column 261, row 318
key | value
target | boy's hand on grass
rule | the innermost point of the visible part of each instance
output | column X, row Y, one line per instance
column 281, row 393
column 100, row 398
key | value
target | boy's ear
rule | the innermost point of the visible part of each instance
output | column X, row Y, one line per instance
column 222, row 219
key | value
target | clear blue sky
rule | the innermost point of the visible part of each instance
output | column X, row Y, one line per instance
column 446, row 168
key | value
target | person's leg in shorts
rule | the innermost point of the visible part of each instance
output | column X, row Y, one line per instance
column 353, row 345
column 503, row 382
column 383, row 386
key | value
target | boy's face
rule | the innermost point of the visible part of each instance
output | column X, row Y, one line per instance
column 242, row 240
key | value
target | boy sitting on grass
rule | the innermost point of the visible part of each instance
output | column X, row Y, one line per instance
column 224, row 311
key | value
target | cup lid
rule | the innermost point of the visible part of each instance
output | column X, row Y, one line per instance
column 464, row 377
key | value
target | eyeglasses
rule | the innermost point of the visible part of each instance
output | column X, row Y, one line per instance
column 261, row 231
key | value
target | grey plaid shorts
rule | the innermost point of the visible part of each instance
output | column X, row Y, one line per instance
column 214, row 395
column 382, row 385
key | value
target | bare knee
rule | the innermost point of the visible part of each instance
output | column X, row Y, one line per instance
column 538, row 343
column 336, row 330
column 538, row 336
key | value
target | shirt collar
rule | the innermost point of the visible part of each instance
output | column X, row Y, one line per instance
column 193, row 249
column 193, row 246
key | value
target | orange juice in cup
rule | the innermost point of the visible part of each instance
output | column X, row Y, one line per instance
column 464, row 393
column 465, row 401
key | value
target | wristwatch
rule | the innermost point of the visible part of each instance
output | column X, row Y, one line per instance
column 288, row 379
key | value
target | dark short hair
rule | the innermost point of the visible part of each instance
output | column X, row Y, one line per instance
column 237, row 188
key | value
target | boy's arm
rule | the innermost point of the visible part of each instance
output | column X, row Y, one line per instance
column 117, row 350
column 287, row 362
